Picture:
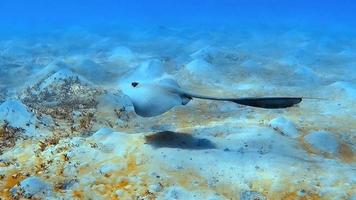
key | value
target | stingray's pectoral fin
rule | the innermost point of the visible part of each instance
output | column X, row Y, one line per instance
column 269, row 102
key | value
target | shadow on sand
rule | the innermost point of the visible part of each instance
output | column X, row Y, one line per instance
column 171, row 139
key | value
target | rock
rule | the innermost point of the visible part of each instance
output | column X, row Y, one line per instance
column 322, row 141
column 110, row 168
column 17, row 116
column 60, row 94
column 154, row 188
column 32, row 186
column 284, row 126
column 8, row 136
column 62, row 76
column 119, row 192
column 251, row 195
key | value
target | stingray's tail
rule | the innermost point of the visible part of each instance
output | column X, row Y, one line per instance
column 260, row 102
column 268, row 102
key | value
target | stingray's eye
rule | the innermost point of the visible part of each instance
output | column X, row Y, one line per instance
column 134, row 84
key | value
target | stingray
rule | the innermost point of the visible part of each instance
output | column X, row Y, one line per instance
column 156, row 98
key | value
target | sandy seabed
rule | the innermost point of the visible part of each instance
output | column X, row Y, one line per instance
column 68, row 131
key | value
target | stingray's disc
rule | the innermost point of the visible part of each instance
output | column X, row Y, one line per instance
column 151, row 100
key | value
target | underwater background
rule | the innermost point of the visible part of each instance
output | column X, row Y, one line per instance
column 68, row 128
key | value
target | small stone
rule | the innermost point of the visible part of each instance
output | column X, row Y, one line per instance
column 323, row 141
column 127, row 187
column 284, row 126
column 301, row 193
column 119, row 193
column 32, row 186
column 154, row 188
column 17, row 116
column 110, row 168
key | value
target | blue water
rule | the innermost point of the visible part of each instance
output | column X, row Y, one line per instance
column 21, row 16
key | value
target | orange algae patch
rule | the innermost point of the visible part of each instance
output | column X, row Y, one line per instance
column 10, row 182
column 306, row 146
column 295, row 196
column 227, row 191
column 346, row 153
column 78, row 194
column 187, row 178
column 131, row 166
column 123, row 183
column 286, row 191
column 109, row 183
column 191, row 180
